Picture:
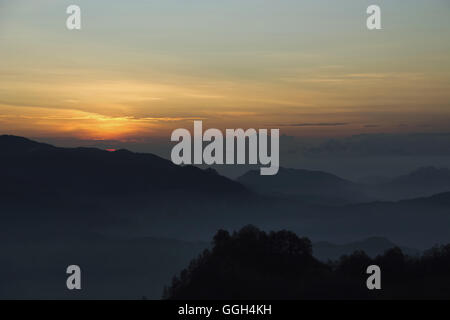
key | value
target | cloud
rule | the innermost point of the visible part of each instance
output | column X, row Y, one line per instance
column 319, row 124
column 357, row 77
column 381, row 144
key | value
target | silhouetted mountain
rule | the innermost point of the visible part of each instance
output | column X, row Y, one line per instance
column 373, row 180
column 416, row 222
column 40, row 178
column 310, row 186
column 324, row 188
column 372, row 246
column 89, row 170
column 422, row 182
column 13, row 145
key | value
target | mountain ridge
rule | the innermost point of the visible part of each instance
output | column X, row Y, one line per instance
column 318, row 186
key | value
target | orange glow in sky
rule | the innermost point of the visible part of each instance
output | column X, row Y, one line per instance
column 137, row 77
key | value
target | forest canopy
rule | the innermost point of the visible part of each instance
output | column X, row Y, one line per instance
column 253, row 264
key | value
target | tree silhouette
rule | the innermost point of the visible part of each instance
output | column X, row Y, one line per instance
column 253, row 264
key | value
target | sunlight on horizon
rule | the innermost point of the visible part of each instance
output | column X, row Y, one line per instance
column 148, row 68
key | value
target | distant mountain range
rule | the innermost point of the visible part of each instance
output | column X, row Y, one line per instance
column 422, row 182
column 37, row 169
column 325, row 188
column 310, row 186
column 43, row 188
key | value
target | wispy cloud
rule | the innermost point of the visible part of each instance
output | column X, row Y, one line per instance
column 319, row 124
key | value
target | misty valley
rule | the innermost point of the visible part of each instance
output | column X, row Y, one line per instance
column 140, row 219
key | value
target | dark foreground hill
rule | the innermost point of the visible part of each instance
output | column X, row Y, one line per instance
column 252, row 264
column 113, row 266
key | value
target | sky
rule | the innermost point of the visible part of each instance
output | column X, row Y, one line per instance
column 140, row 69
